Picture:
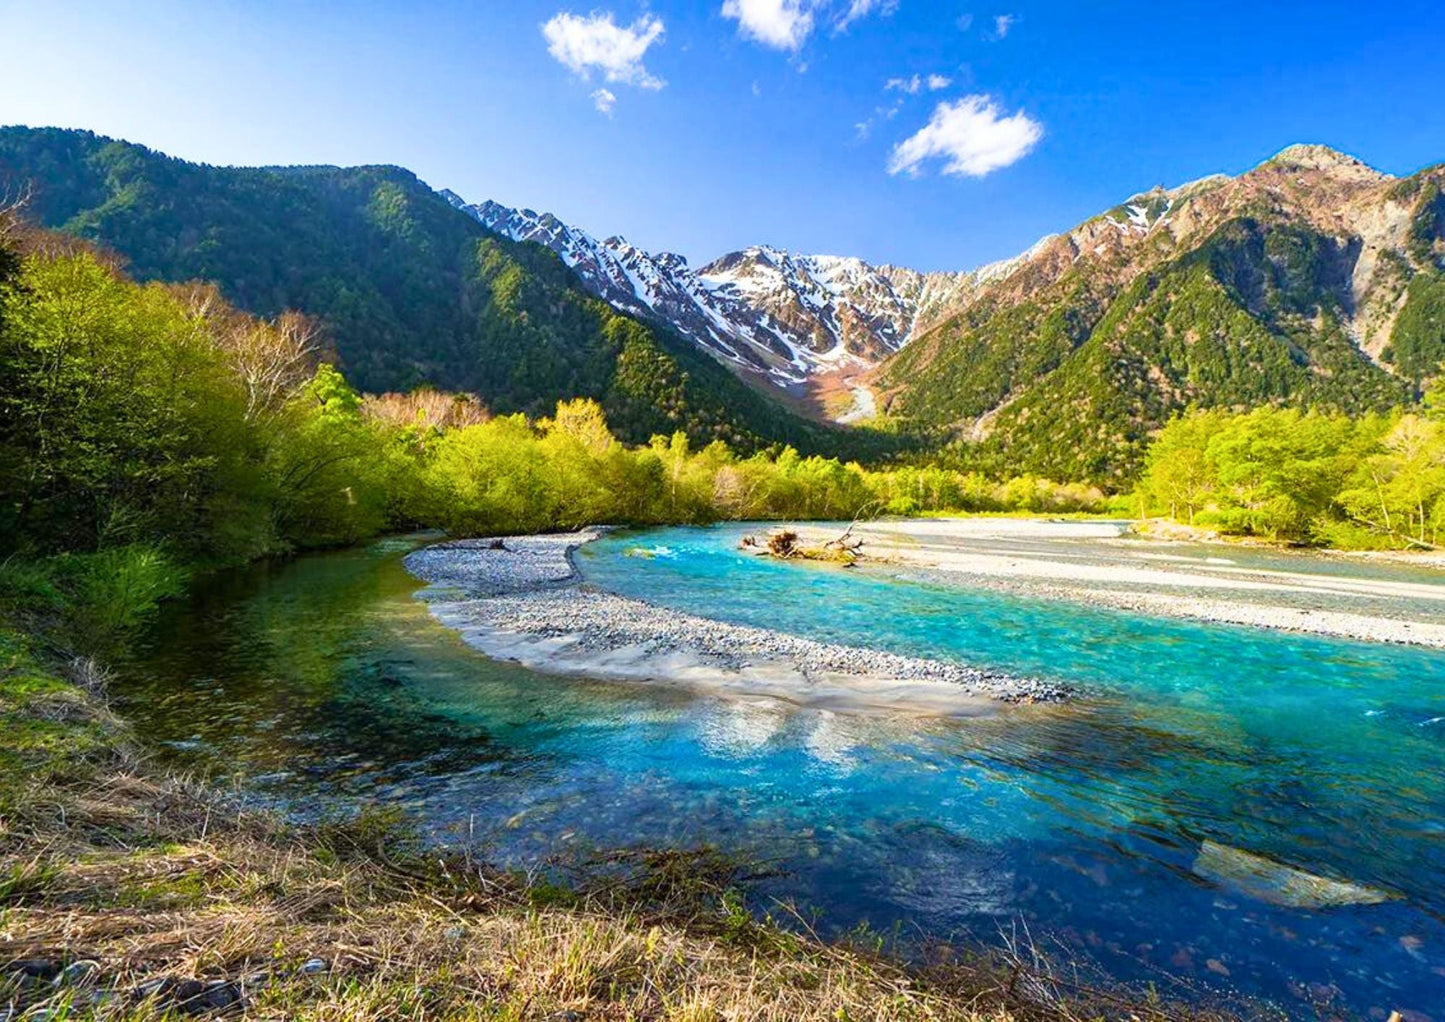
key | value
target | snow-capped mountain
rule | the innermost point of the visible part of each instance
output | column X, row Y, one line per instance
column 781, row 316
column 808, row 323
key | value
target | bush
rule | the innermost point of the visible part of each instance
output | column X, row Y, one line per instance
column 112, row 592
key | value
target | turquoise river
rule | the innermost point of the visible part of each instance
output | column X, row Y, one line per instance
column 1107, row 831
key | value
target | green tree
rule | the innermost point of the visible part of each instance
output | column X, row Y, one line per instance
column 1396, row 492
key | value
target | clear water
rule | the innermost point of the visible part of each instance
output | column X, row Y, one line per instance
column 325, row 683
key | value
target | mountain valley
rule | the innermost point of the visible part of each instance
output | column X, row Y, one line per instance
column 1311, row 280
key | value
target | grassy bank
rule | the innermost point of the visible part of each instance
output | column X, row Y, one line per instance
column 129, row 894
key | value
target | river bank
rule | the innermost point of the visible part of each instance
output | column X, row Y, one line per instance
column 1098, row 563
column 522, row 599
column 128, row 894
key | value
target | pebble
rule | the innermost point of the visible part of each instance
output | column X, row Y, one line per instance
column 313, row 967
column 533, row 588
column 1322, row 993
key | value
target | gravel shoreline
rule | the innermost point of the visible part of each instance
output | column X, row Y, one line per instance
column 979, row 554
column 526, row 601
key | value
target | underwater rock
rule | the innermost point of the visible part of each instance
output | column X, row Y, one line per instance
column 79, row 973
column 220, row 995
column 1269, row 881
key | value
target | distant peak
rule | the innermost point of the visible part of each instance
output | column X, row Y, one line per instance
column 1318, row 157
column 489, row 211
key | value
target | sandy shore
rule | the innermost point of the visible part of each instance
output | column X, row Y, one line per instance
column 1096, row 563
column 527, row 603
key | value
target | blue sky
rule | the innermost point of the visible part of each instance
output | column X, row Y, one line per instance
column 735, row 122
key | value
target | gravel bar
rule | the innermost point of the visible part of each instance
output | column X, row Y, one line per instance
column 524, row 595
column 1089, row 563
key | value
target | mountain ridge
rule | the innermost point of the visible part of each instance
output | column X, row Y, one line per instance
column 784, row 317
column 769, row 313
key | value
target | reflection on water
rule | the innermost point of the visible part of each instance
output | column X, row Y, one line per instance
column 326, row 683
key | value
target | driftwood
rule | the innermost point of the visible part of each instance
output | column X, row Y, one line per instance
column 785, row 545
column 846, row 543
column 1388, row 529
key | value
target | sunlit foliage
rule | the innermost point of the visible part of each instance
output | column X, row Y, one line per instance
column 1374, row 481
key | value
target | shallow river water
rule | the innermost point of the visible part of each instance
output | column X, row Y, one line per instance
column 1109, row 830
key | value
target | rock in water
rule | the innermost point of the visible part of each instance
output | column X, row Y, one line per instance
column 1270, row 881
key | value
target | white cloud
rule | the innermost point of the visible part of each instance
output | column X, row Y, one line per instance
column 597, row 43
column 970, row 137
column 964, row 22
column 781, row 24
column 913, row 86
column 787, row 24
column 1002, row 23
column 861, row 9
column 604, row 100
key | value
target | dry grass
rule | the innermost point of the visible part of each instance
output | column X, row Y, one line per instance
column 187, row 905
column 140, row 876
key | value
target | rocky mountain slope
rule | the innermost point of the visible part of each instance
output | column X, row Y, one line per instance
column 769, row 313
column 1311, row 280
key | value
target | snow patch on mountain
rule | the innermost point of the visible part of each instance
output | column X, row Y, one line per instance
column 782, row 316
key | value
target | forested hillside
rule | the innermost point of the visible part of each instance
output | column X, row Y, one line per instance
column 1311, row 281
column 407, row 289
